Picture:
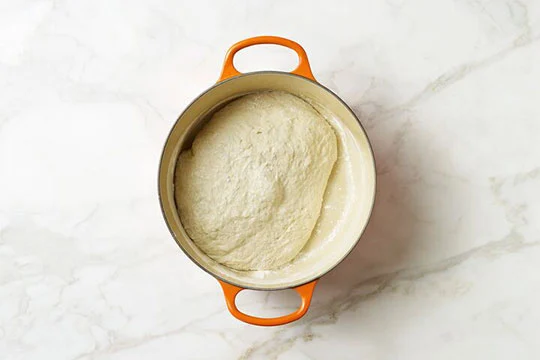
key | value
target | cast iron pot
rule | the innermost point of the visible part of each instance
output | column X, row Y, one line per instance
column 357, row 190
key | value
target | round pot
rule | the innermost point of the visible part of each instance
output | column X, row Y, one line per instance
column 353, row 188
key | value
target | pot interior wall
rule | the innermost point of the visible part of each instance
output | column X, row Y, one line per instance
column 355, row 191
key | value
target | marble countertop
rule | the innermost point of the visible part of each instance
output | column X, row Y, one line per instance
column 449, row 93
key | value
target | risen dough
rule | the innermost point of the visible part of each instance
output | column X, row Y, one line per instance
column 249, row 191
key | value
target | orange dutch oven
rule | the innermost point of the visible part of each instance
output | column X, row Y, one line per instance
column 349, row 197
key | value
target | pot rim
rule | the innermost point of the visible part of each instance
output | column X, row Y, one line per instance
column 221, row 83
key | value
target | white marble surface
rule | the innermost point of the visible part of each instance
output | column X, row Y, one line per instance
column 448, row 90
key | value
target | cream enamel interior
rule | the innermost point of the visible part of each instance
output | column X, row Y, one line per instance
column 355, row 195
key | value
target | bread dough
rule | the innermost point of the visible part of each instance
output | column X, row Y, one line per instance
column 250, row 189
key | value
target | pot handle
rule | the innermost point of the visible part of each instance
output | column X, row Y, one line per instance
column 305, row 291
column 303, row 68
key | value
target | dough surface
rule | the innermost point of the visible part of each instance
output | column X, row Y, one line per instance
column 250, row 189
